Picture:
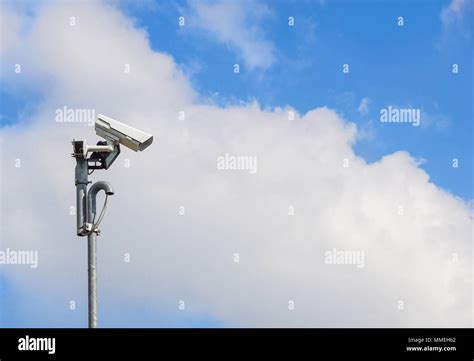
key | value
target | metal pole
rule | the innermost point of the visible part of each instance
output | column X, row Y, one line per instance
column 86, row 212
column 92, row 273
column 92, row 246
column 81, row 208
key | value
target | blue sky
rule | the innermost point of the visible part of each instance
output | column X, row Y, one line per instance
column 407, row 66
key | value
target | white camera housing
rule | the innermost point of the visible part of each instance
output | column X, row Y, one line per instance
column 116, row 132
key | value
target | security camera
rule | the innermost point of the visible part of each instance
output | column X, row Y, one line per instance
column 115, row 132
column 104, row 153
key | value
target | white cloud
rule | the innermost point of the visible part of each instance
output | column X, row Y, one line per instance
column 236, row 24
column 408, row 228
column 9, row 28
column 455, row 11
column 363, row 108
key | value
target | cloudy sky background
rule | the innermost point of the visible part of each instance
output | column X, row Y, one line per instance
column 399, row 199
